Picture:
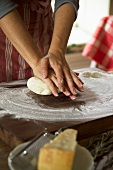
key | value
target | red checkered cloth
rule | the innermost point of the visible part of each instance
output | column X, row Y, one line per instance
column 100, row 47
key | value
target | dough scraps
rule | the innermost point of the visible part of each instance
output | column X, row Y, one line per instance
column 93, row 74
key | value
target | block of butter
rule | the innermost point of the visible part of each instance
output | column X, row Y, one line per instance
column 59, row 153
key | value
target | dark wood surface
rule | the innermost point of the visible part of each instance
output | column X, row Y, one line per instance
column 4, row 152
column 15, row 131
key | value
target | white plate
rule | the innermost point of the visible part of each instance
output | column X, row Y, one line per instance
column 83, row 158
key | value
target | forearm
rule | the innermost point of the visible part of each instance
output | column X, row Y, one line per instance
column 64, row 18
column 15, row 29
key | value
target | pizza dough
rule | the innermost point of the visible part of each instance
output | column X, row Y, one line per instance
column 93, row 74
column 37, row 86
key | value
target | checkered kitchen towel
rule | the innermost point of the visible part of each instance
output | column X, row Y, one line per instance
column 100, row 46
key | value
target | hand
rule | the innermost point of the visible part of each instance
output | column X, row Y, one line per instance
column 66, row 80
column 50, row 81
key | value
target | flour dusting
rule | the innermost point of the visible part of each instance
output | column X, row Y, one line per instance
column 95, row 102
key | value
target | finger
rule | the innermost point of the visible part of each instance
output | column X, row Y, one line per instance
column 70, row 81
column 78, row 82
column 60, row 77
column 44, row 67
column 77, row 74
column 56, row 65
column 53, row 78
column 66, row 91
column 74, row 82
column 72, row 97
column 51, row 86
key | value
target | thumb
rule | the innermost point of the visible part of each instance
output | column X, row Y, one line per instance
column 44, row 67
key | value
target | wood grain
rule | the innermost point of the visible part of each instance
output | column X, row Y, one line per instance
column 15, row 131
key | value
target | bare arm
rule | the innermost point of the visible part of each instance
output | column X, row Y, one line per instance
column 64, row 18
column 54, row 65
column 15, row 29
column 63, row 22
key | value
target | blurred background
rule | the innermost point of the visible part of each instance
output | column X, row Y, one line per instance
column 89, row 14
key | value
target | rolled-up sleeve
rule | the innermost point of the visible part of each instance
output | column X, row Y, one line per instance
column 75, row 3
column 6, row 6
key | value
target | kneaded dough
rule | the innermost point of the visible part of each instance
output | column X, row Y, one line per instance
column 93, row 74
column 85, row 74
column 37, row 86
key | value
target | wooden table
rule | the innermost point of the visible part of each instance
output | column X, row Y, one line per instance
column 14, row 131
column 4, row 152
column 86, row 131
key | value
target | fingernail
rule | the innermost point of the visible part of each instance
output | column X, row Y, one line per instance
column 73, row 97
column 44, row 76
column 56, row 94
column 62, row 81
column 74, row 92
column 68, row 94
column 82, row 88
column 61, row 89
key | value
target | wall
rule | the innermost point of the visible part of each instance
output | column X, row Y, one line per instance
column 90, row 12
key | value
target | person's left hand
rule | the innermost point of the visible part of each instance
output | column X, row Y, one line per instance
column 68, row 81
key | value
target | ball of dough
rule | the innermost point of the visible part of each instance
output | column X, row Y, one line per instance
column 37, row 86
column 86, row 74
column 97, row 74
column 93, row 74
